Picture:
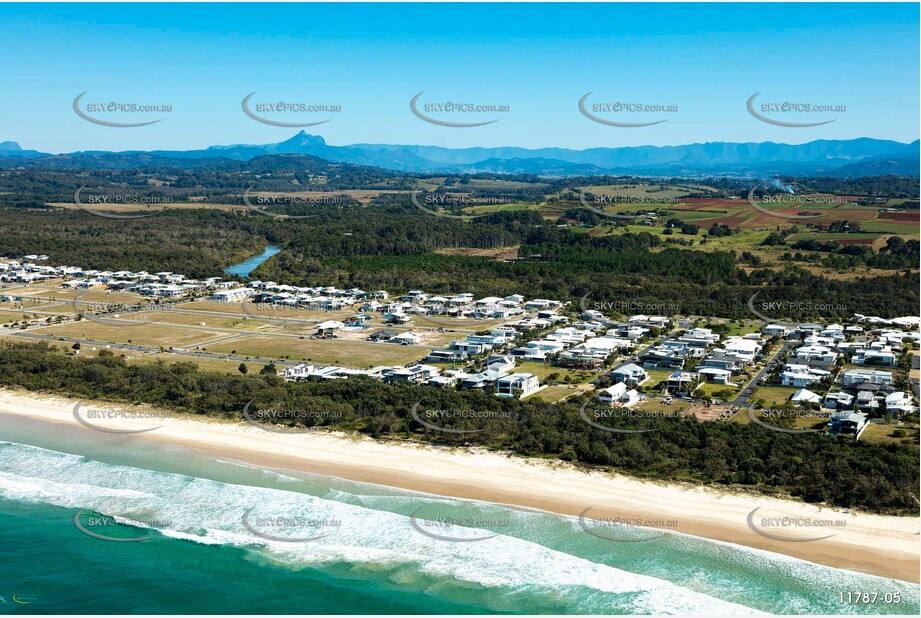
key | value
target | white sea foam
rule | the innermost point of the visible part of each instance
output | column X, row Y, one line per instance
column 538, row 555
column 207, row 511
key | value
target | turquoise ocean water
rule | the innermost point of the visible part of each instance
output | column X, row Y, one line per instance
column 223, row 537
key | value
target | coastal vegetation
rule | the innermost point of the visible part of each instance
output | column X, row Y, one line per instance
column 811, row 467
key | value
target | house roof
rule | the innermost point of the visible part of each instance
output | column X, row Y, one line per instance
column 805, row 395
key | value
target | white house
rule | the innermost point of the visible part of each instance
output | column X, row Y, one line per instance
column 681, row 382
column 838, row 400
column 874, row 357
column 814, row 354
column 776, row 330
column 407, row 338
column 329, row 328
column 801, row 375
column 619, row 396
column 805, row 396
column 742, row 348
column 715, row 375
column 847, row 423
column 865, row 376
column 899, row 403
column 630, row 374
column 517, row 385
column 231, row 295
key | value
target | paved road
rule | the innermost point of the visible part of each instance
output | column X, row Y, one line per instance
column 151, row 349
column 744, row 395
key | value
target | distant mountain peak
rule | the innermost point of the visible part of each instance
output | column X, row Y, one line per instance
column 303, row 138
column 10, row 146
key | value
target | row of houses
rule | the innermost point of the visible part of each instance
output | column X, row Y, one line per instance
column 498, row 374
column 164, row 284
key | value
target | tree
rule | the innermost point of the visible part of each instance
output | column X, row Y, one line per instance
column 243, row 368
column 268, row 370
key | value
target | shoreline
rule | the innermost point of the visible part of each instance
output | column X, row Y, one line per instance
column 881, row 545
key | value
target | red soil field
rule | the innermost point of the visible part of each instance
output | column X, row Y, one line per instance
column 910, row 216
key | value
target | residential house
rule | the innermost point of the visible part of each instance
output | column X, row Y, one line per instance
column 681, row 382
column 805, row 396
column 838, row 400
column 619, row 395
column 847, row 423
column 717, row 376
column 329, row 328
column 517, row 385
column 630, row 374
column 874, row 357
column 801, row 375
column 865, row 376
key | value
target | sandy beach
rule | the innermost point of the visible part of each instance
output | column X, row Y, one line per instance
column 879, row 545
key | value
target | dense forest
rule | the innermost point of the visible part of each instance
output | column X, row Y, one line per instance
column 389, row 243
column 812, row 467
column 396, row 247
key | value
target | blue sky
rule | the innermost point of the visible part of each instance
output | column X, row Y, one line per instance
column 538, row 59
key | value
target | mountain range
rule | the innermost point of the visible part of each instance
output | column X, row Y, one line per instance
column 855, row 157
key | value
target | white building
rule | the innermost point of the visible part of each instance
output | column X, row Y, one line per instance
column 619, row 395
column 517, row 385
column 865, row 376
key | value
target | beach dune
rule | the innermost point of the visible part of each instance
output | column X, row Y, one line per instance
column 880, row 545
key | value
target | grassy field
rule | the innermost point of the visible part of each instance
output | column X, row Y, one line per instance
column 542, row 370
column 243, row 323
column 657, row 377
column 707, row 390
column 145, row 334
column 324, row 351
column 559, row 392
column 772, row 394
column 205, row 364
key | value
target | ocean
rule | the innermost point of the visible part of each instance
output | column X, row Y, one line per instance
column 94, row 523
